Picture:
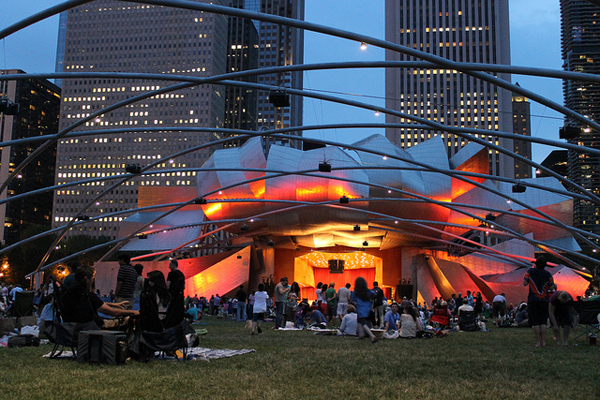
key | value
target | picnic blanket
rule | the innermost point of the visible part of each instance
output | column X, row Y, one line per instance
column 193, row 353
column 205, row 354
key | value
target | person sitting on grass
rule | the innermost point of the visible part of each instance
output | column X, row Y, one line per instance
column 193, row 313
column 349, row 322
column 82, row 304
column 410, row 324
column 521, row 318
column 317, row 316
column 392, row 322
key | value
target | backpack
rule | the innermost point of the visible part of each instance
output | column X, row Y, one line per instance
column 23, row 341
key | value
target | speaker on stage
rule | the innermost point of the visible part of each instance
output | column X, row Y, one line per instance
column 336, row 266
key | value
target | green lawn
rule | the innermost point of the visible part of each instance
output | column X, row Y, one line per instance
column 501, row 364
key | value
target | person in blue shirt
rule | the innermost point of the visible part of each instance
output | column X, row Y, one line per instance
column 391, row 319
column 317, row 317
column 361, row 297
column 193, row 312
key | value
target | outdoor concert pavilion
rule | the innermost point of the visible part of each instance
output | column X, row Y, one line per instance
column 437, row 225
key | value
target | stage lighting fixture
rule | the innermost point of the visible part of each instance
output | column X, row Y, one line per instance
column 142, row 236
column 239, row 257
column 490, row 217
column 324, row 167
column 200, row 200
column 344, row 200
column 569, row 132
column 365, row 243
column 519, row 188
column 270, row 243
column 244, row 227
column 356, row 228
column 279, row 98
column 133, row 168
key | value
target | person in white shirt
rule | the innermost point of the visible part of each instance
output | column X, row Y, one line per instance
column 259, row 309
column 465, row 307
column 499, row 309
column 344, row 295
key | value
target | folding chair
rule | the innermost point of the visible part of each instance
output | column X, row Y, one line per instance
column 467, row 321
column 589, row 314
column 440, row 316
column 64, row 334
column 23, row 305
column 166, row 335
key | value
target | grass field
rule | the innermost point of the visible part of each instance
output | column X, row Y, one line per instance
column 501, row 364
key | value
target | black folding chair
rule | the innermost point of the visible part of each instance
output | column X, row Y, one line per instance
column 588, row 325
column 467, row 321
column 23, row 304
column 64, row 334
column 166, row 335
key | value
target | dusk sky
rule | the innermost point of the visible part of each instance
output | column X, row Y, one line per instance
column 535, row 42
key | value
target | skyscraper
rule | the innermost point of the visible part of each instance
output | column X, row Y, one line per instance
column 462, row 31
column 580, row 26
column 126, row 37
column 114, row 36
column 241, row 104
column 280, row 45
column 39, row 100
column 522, row 126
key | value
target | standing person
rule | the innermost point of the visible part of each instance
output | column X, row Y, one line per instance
column 260, row 308
column 470, row 299
column 378, row 304
column 211, row 305
column 295, row 289
column 139, row 286
column 281, row 292
column 343, row 300
column 459, row 303
column 562, row 314
column 539, row 281
column 499, row 309
column 126, row 279
column 331, row 296
column 216, row 304
column 241, row 296
column 323, row 303
column 479, row 305
column 362, row 296
column 175, row 280
column 250, row 310
column 319, row 293
column 176, row 285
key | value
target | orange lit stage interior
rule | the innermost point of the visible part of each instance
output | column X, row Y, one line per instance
column 306, row 268
column 434, row 277
column 312, row 268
